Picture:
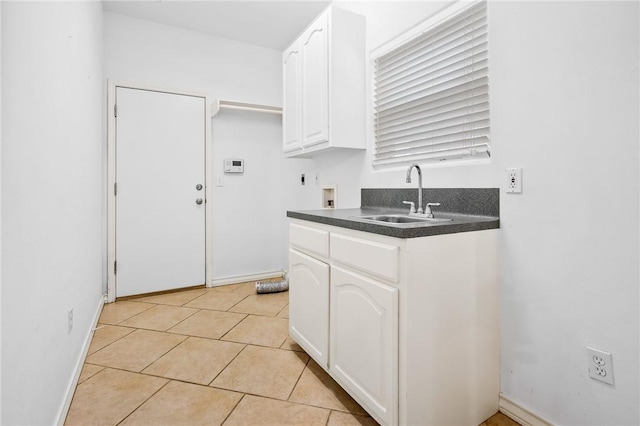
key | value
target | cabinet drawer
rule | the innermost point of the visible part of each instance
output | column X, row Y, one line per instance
column 309, row 239
column 375, row 258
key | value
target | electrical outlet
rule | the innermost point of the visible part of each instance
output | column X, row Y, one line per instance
column 514, row 181
column 600, row 365
column 69, row 321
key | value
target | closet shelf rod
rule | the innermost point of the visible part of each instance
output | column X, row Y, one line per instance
column 218, row 104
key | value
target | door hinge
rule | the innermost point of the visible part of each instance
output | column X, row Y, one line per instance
column 115, row 110
column 115, row 267
column 115, row 189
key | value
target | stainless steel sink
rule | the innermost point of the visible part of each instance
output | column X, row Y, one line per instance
column 403, row 220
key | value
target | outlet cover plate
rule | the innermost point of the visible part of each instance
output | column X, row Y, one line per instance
column 600, row 365
column 514, row 181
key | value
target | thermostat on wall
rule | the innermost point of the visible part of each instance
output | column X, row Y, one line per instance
column 234, row 165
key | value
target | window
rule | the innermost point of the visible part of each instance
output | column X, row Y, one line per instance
column 432, row 91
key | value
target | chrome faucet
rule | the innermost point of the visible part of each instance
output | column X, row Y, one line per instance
column 419, row 209
column 427, row 210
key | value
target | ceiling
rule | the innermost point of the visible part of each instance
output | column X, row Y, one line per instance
column 272, row 24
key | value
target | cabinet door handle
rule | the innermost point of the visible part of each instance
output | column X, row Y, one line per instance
column 289, row 55
column 315, row 30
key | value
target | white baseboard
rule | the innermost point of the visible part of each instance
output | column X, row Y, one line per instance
column 520, row 414
column 244, row 278
column 64, row 410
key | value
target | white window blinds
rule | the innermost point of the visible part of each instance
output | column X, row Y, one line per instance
column 432, row 93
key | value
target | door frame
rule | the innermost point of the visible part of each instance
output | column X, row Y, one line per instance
column 111, row 179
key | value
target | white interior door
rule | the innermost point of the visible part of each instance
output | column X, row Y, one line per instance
column 160, row 164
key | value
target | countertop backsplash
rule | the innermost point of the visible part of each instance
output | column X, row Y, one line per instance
column 473, row 201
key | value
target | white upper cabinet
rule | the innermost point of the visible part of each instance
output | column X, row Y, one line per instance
column 315, row 82
column 291, row 121
column 324, row 85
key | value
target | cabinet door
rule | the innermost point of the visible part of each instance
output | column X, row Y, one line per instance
column 364, row 341
column 291, row 126
column 315, row 82
column 309, row 305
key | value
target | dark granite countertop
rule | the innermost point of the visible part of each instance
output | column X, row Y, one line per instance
column 457, row 208
column 347, row 218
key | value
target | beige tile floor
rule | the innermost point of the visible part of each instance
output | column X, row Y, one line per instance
column 207, row 356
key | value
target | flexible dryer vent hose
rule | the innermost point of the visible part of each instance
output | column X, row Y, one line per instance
column 263, row 287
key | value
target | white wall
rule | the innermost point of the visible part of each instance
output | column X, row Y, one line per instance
column 570, row 243
column 248, row 219
column 0, row 208
column 51, row 200
column 564, row 99
column 564, row 94
column 138, row 51
column 246, row 224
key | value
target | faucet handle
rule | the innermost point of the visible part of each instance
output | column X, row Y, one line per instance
column 413, row 206
column 427, row 209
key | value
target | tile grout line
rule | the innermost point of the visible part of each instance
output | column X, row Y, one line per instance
column 186, row 337
column 146, row 366
column 257, row 315
column 330, row 410
column 155, row 376
column 87, row 378
column 182, row 320
column 306, row 364
column 134, row 315
column 283, row 308
column 143, row 402
column 155, row 329
column 234, row 407
column 225, row 367
column 235, row 304
column 260, row 345
column 229, row 331
column 307, row 404
column 170, row 304
column 111, row 343
column 170, row 349
column 217, row 310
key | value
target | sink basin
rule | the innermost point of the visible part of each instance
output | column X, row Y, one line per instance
column 402, row 220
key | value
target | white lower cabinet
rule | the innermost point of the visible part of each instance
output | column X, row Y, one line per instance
column 308, row 301
column 364, row 340
column 408, row 327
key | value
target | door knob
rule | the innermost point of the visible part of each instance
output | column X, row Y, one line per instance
column 198, row 201
column 198, row 187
